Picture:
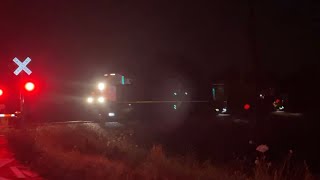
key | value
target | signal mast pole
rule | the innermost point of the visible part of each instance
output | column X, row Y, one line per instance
column 254, row 66
column 22, row 109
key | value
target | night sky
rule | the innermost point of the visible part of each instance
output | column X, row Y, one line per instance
column 76, row 41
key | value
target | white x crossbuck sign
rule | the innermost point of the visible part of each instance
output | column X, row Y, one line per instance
column 22, row 66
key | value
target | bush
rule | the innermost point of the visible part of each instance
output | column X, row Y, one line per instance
column 88, row 151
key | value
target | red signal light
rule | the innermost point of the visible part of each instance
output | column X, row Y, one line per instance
column 1, row 92
column 29, row 86
column 246, row 106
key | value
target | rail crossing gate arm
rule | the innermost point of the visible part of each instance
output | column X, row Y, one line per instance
column 156, row 102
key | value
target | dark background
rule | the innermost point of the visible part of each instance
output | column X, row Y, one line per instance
column 159, row 43
column 73, row 42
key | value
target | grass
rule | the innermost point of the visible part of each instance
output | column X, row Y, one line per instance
column 87, row 151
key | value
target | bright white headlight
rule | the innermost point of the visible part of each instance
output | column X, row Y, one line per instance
column 90, row 100
column 111, row 114
column 101, row 86
column 281, row 108
column 224, row 110
column 101, row 99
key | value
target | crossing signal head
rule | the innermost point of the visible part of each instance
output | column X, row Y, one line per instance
column 246, row 106
column 29, row 86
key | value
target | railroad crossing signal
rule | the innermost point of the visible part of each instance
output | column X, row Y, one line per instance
column 29, row 86
column 22, row 66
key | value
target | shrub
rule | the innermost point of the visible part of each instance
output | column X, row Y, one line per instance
column 88, row 151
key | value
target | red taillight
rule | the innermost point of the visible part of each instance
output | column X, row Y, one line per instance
column 29, row 86
column 1, row 92
column 246, row 106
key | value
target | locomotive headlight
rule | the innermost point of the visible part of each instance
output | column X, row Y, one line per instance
column 111, row 114
column 90, row 100
column 101, row 99
column 101, row 86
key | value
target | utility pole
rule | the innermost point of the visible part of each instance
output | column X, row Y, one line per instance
column 252, row 33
